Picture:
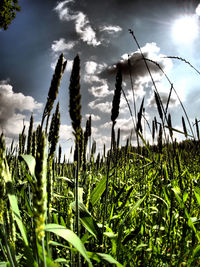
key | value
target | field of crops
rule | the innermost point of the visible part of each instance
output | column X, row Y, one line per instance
column 131, row 206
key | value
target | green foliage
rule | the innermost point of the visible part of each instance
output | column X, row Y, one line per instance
column 70, row 237
column 135, row 206
column 8, row 10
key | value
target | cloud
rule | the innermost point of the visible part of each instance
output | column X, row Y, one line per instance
column 101, row 90
column 12, row 106
column 63, row 11
column 92, row 70
column 104, row 107
column 110, row 29
column 100, row 86
column 164, row 94
column 65, row 133
column 137, row 65
column 141, row 80
column 84, row 29
column 91, row 67
column 125, row 126
column 93, row 117
column 82, row 23
column 61, row 45
column 198, row 10
column 164, row 98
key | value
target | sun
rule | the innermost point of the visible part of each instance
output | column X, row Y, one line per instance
column 185, row 29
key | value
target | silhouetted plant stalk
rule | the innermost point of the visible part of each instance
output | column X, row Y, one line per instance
column 22, row 141
column 114, row 115
column 75, row 114
column 30, row 136
column 134, row 103
column 197, row 128
column 87, row 134
column 172, row 88
column 53, row 90
column 53, row 140
column 184, row 127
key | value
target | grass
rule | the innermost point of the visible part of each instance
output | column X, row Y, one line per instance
column 134, row 206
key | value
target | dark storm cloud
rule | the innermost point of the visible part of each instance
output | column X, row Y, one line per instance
column 136, row 64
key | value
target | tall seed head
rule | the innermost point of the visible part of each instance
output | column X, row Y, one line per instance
column 153, row 130
column 116, row 98
column 39, row 195
column 184, row 127
column 75, row 108
column 54, row 87
column 139, row 124
column 170, row 125
column 158, row 103
column 30, row 136
column 197, row 128
column 54, row 131
column 160, row 138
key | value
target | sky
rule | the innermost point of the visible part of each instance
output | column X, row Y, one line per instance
column 99, row 32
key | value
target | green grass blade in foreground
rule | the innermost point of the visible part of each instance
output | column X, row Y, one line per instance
column 121, row 225
column 30, row 162
column 69, row 236
column 178, row 131
column 13, row 202
column 87, row 220
column 4, row 264
column 104, row 257
column 197, row 194
column 98, row 191
column 135, row 206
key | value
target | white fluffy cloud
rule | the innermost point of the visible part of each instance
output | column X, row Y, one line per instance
column 104, row 107
column 101, row 90
column 93, row 117
column 82, row 23
column 85, row 30
column 100, row 87
column 61, row 45
column 110, row 29
column 12, row 108
column 91, row 67
column 66, row 133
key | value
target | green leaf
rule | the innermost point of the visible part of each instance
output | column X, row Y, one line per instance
column 196, row 252
column 108, row 258
column 30, row 162
column 120, row 228
column 185, row 196
column 197, row 194
column 17, row 216
column 87, row 220
column 62, row 260
column 13, row 203
column 104, row 257
column 98, row 191
column 177, row 191
column 135, row 206
column 69, row 236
